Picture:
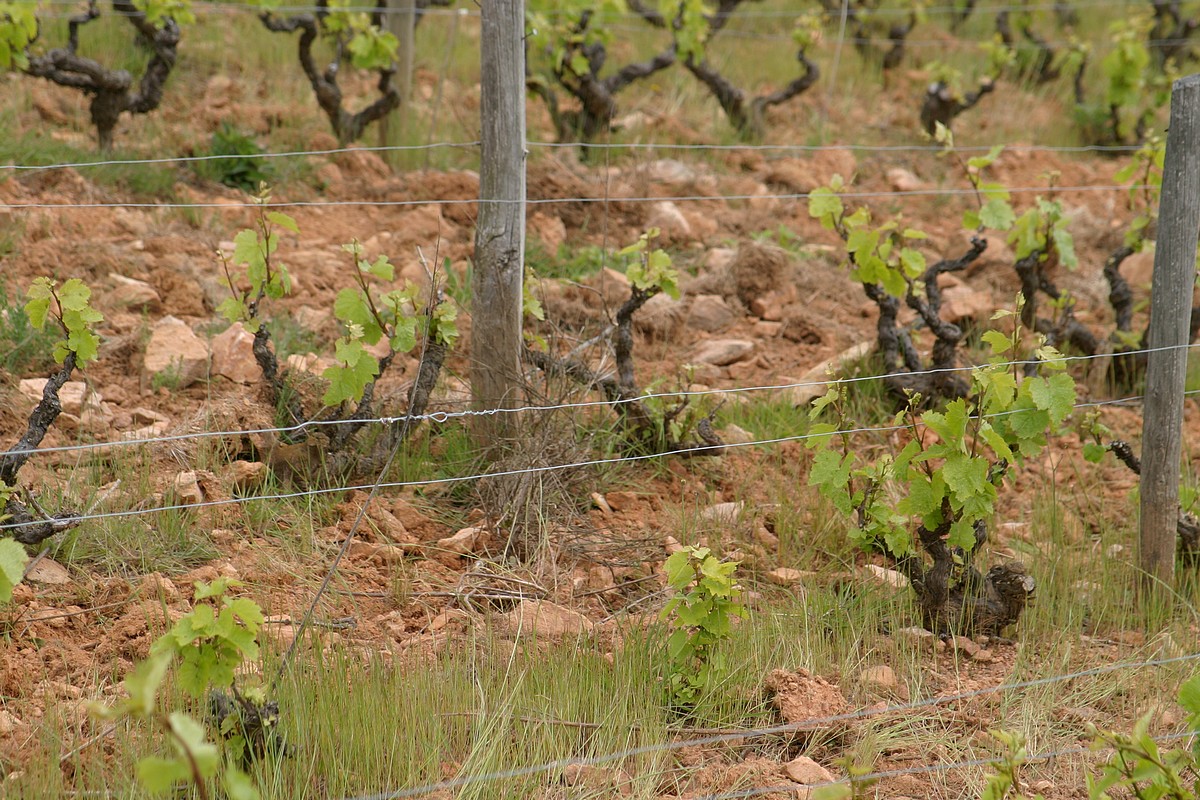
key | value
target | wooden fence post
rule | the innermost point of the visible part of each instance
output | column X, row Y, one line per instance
column 1171, row 305
column 500, row 230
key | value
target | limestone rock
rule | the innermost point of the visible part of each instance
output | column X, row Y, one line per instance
column 187, row 489
column 1138, row 269
column 311, row 363
column 233, row 355
column 544, row 620
column 903, row 180
column 885, row 577
column 248, row 475
column 392, row 553
column 801, row 696
column 723, row 513
column 128, row 293
column 804, row 770
column 549, row 229
column 723, row 352
column 659, row 317
column 74, row 395
column 881, row 678
column 785, row 576
column 669, row 172
column 667, row 217
column 358, row 163
column 710, row 313
column 50, row 572
column 621, row 501
column 735, row 434
column 915, row 636
column 718, row 258
column 813, row 385
column 962, row 303
column 175, row 353
column 463, row 542
column 997, row 254
column 612, row 285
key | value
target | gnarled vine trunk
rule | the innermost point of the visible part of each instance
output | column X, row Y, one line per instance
column 112, row 90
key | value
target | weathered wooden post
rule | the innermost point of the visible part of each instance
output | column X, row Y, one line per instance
column 1170, row 304
column 500, row 230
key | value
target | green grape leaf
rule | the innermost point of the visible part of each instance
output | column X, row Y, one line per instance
column 965, row 475
column 233, row 309
column 1064, row 243
column 13, row 559
column 997, row 214
column 445, row 327
column 980, row 162
column 825, row 206
column 995, row 441
column 381, row 268
column 85, row 345
column 1094, row 452
column 248, row 611
column 246, row 249
column 678, row 569
column 349, row 378
column 962, row 534
column 190, row 739
column 1189, row 695
column 999, row 342
column 238, row 785
column 1028, row 423
column 1055, row 394
column 161, row 775
column 372, row 48
column 74, row 295
column 351, row 307
column 404, row 338
column 41, row 292
column 283, row 221
column 143, row 682
column 830, row 469
column 913, row 261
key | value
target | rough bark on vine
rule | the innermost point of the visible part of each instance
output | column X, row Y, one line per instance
column 899, row 354
column 347, row 127
column 954, row 597
column 1045, row 67
column 1170, row 36
column 640, row 424
column 745, row 112
column 1187, row 526
column 112, row 90
column 28, row 528
column 942, row 104
column 1034, row 272
column 596, row 95
column 1129, row 360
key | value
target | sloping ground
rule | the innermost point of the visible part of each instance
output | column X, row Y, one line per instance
column 413, row 583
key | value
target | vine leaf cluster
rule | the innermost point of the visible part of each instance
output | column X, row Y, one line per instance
column 368, row 317
column 66, row 307
column 947, row 476
column 658, row 424
column 207, row 647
